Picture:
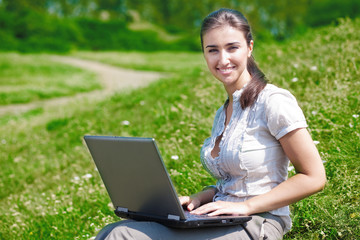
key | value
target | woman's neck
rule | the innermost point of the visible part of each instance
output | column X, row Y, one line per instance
column 238, row 85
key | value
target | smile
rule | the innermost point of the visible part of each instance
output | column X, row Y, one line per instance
column 225, row 70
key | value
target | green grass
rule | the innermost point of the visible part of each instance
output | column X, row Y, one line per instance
column 49, row 187
column 27, row 78
column 156, row 61
column 327, row 68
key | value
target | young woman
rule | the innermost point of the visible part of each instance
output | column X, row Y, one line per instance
column 255, row 134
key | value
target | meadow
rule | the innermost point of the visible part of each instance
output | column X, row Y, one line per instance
column 28, row 78
column 50, row 189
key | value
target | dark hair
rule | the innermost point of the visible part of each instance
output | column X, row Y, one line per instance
column 235, row 19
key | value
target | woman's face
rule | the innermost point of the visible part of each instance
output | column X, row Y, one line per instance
column 226, row 53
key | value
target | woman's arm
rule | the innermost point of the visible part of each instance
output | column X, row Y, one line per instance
column 310, row 178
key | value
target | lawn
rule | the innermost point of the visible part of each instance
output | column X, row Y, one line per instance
column 153, row 61
column 27, row 78
column 51, row 189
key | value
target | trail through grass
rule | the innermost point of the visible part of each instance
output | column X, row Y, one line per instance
column 27, row 78
column 156, row 61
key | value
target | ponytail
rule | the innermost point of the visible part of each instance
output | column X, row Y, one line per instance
column 255, row 86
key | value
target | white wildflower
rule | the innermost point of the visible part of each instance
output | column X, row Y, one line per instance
column 173, row 172
column 314, row 68
column 355, row 115
column 87, row 176
column 76, row 178
column 175, row 157
column 314, row 112
column 296, row 65
column 350, row 125
column 3, row 141
column 290, row 168
column 14, row 226
column 295, row 79
column 15, row 214
column 142, row 103
column 125, row 123
column 316, row 142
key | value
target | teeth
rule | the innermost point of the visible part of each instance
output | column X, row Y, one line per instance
column 225, row 70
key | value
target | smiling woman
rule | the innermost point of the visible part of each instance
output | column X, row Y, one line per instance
column 255, row 134
column 239, row 25
column 227, row 57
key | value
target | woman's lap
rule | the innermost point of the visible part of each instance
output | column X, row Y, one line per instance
column 267, row 225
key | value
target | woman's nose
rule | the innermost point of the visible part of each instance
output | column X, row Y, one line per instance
column 224, row 58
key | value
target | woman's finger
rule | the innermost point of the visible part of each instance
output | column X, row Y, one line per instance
column 184, row 200
column 204, row 209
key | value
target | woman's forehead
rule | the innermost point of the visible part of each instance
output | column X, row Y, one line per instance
column 224, row 33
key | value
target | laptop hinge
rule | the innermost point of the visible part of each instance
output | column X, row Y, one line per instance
column 121, row 209
column 173, row 217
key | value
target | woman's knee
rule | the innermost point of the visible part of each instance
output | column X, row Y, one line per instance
column 104, row 232
column 130, row 229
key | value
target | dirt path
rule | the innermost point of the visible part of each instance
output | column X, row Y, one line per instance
column 112, row 78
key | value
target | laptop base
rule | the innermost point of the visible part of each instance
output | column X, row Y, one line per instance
column 186, row 223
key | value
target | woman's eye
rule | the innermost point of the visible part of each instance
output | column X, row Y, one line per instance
column 233, row 48
column 212, row 50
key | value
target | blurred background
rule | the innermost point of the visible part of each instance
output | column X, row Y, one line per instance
column 65, row 25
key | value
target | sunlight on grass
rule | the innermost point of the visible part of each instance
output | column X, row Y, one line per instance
column 27, row 78
column 156, row 61
column 49, row 187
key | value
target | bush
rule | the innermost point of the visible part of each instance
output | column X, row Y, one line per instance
column 30, row 31
column 187, row 43
column 325, row 12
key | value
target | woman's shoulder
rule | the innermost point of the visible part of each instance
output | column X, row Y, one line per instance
column 272, row 94
column 281, row 111
column 273, row 89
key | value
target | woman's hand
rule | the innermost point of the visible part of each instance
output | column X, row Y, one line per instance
column 223, row 208
column 190, row 203
column 194, row 201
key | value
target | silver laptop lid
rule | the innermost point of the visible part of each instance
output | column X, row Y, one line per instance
column 134, row 175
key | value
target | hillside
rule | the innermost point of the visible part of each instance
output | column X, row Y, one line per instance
column 51, row 189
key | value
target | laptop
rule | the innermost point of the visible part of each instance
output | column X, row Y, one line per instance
column 139, row 185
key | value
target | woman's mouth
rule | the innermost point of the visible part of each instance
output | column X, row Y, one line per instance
column 225, row 70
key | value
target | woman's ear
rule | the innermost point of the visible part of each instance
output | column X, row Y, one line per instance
column 251, row 47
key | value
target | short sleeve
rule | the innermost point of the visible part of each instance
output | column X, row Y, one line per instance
column 283, row 113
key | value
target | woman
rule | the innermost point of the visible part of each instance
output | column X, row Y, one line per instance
column 255, row 133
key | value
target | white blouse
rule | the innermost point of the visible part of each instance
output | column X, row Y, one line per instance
column 251, row 160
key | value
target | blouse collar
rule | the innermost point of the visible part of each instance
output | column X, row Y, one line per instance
column 236, row 95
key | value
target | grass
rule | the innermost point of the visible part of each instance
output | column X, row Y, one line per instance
column 156, row 61
column 27, row 78
column 49, row 187
column 323, row 72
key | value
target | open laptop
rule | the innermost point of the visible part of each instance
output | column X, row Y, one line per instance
column 139, row 185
